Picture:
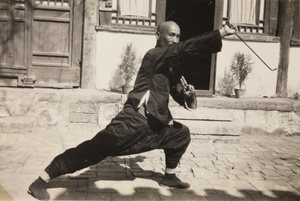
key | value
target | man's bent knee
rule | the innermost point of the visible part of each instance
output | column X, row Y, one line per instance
column 185, row 134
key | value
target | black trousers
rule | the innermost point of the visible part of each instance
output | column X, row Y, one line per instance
column 128, row 133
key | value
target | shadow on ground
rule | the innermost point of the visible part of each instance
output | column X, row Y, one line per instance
column 83, row 187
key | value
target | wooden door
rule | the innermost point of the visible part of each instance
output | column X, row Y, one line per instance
column 42, row 42
column 13, row 41
column 56, row 42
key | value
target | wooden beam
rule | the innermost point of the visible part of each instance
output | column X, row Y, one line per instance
column 285, row 27
column 28, row 38
column 58, row 78
column 89, row 46
column 271, row 16
column 161, row 6
column 218, row 18
column 77, row 33
column 261, row 38
column 296, row 26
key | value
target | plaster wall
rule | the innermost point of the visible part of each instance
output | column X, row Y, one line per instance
column 109, row 49
column 294, row 72
column 261, row 81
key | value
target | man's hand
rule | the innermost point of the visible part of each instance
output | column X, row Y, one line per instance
column 188, row 89
column 190, row 100
column 228, row 29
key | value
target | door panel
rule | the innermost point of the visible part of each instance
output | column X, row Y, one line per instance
column 53, row 21
column 12, row 35
column 3, row 46
column 4, row 34
column 55, row 50
column 19, row 45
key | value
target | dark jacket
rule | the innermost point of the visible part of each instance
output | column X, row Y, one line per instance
column 161, row 69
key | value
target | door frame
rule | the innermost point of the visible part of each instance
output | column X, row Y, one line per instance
column 218, row 19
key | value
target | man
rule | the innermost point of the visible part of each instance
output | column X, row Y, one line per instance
column 145, row 123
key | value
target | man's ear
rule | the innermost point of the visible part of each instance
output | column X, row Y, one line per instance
column 157, row 35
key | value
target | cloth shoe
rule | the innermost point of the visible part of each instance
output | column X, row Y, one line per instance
column 38, row 189
column 172, row 180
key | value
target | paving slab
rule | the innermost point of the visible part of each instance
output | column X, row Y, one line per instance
column 256, row 167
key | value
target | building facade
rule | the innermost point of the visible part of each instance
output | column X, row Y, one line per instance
column 78, row 43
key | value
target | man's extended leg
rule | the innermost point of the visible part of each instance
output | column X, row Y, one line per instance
column 122, row 132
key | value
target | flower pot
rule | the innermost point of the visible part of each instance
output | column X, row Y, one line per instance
column 239, row 93
column 126, row 89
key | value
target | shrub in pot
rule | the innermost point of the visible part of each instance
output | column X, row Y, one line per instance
column 241, row 66
column 226, row 83
column 128, row 67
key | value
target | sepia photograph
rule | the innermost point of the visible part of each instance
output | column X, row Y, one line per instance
column 150, row 100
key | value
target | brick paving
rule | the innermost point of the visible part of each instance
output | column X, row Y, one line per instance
column 246, row 167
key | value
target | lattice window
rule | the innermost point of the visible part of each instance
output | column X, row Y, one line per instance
column 254, row 25
column 128, row 12
column 60, row 3
column 20, row 3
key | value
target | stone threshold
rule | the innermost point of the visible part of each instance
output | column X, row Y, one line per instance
column 266, row 104
column 23, row 110
column 217, row 102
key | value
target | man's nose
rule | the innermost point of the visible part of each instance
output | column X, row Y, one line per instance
column 175, row 40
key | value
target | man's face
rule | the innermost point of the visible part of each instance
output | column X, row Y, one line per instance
column 170, row 34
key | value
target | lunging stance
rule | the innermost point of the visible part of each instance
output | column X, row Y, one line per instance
column 145, row 122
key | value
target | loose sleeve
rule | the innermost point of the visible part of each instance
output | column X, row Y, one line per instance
column 200, row 45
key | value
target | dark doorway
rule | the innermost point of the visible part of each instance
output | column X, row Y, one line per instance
column 194, row 17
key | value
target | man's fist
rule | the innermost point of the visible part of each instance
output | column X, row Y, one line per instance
column 228, row 29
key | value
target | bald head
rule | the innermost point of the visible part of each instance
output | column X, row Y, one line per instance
column 167, row 25
column 167, row 33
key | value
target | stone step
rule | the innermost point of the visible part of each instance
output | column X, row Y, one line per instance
column 206, row 121
column 201, row 113
column 209, row 127
column 17, row 124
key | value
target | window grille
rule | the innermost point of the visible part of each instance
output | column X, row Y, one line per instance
column 61, row 3
column 20, row 3
column 113, row 9
column 258, row 27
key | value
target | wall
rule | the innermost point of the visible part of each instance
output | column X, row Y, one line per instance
column 294, row 72
column 109, row 48
column 262, row 81
column 24, row 110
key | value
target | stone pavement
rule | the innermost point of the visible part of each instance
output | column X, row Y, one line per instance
column 246, row 167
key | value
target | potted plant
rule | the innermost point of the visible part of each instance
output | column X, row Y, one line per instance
column 240, row 68
column 128, row 67
column 226, row 83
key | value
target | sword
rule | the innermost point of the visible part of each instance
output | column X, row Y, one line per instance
column 230, row 25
